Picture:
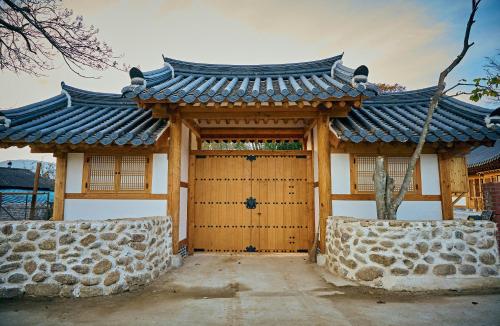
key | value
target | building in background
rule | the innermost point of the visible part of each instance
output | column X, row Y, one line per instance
column 483, row 166
column 17, row 199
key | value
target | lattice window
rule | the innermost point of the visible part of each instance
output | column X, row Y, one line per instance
column 364, row 167
column 102, row 173
column 133, row 173
column 117, row 173
column 396, row 167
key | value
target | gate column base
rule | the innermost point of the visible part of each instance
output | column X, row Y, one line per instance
column 321, row 259
column 177, row 261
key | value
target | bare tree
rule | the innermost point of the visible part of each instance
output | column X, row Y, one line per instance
column 387, row 200
column 33, row 32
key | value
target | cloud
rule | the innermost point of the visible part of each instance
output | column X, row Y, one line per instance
column 398, row 40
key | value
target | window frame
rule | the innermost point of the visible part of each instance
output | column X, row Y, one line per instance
column 117, row 189
column 417, row 177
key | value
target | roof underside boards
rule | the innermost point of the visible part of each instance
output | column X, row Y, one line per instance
column 180, row 81
column 484, row 158
column 92, row 118
column 400, row 117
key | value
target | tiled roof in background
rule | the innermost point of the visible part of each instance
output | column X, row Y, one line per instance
column 13, row 178
column 483, row 156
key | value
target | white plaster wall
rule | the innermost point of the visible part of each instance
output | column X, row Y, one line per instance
column 315, row 153
column 429, row 170
column 309, row 143
column 183, row 205
column 160, row 174
column 183, row 214
column 354, row 208
column 314, row 148
column 316, row 206
column 461, row 202
column 184, row 153
column 409, row 210
column 341, row 178
column 420, row 210
column 74, row 173
column 102, row 209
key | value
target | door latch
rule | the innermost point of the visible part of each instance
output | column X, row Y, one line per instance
column 251, row 203
column 251, row 157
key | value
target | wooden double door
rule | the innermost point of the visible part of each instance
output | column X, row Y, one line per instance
column 252, row 201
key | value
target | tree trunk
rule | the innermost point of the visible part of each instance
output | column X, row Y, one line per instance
column 387, row 203
column 379, row 180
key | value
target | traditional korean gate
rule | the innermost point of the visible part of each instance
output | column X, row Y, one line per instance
column 225, row 184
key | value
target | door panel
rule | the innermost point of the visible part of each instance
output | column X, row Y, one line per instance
column 282, row 185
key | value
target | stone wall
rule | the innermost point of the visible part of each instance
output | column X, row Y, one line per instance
column 82, row 258
column 491, row 195
column 416, row 255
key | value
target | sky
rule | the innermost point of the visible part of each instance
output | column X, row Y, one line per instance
column 406, row 42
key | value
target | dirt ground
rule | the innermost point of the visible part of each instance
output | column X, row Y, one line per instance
column 257, row 290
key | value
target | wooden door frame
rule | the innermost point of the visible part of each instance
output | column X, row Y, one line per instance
column 192, row 184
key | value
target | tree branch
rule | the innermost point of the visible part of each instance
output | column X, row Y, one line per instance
column 432, row 107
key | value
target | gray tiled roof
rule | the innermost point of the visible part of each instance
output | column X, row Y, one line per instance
column 400, row 117
column 14, row 178
column 82, row 117
column 180, row 81
column 483, row 155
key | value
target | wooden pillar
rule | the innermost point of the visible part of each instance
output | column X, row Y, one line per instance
column 174, row 177
column 445, row 184
column 60, row 186
column 324, row 177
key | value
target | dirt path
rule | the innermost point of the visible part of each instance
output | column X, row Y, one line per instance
column 255, row 290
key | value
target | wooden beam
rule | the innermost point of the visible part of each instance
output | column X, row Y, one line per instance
column 310, row 127
column 251, row 112
column 458, row 198
column 445, row 183
column 174, row 177
column 158, row 110
column 96, row 148
column 60, row 186
column 161, row 145
column 210, row 133
column 193, row 126
column 334, row 140
column 250, row 152
column 324, row 175
column 380, row 148
column 371, row 196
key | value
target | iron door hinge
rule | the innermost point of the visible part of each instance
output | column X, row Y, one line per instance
column 251, row 203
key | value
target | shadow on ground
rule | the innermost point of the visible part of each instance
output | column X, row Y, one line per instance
column 257, row 289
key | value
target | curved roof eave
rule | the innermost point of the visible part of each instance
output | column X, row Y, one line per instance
column 399, row 117
column 189, row 82
column 78, row 116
